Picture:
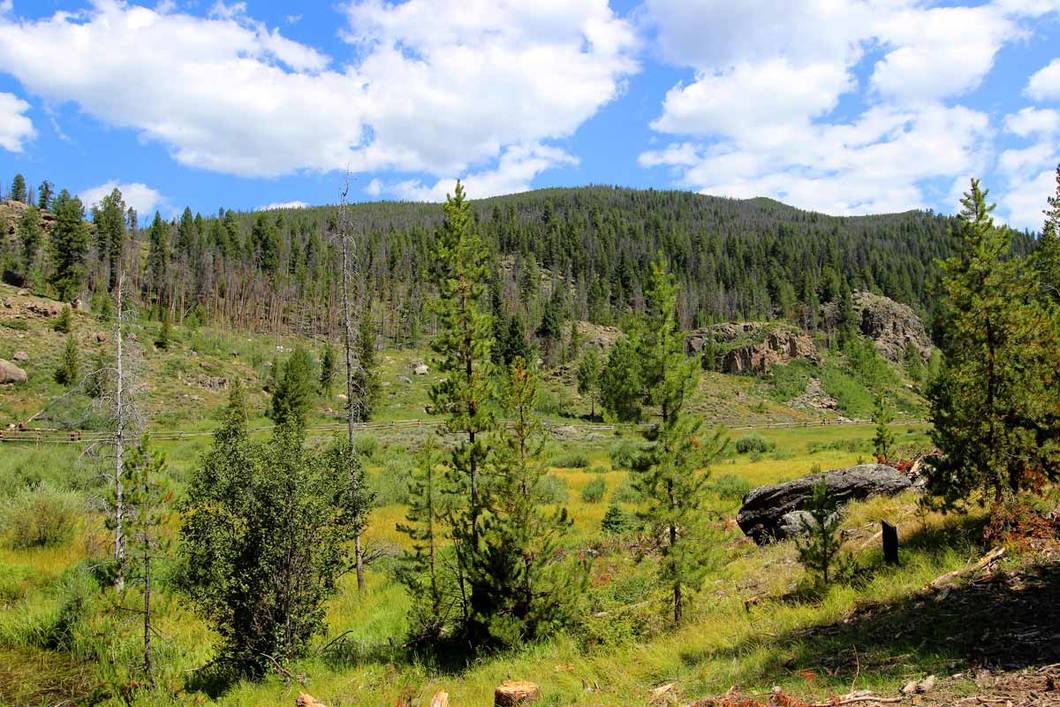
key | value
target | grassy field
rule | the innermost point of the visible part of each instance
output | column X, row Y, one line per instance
column 752, row 623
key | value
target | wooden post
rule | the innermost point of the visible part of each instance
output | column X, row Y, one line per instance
column 890, row 543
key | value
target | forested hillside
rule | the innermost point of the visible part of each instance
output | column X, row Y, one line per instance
column 584, row 250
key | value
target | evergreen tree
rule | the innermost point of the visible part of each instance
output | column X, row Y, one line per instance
column 292, row 398
column 165, row 332
column 158, row 257
column 883, row 441
column 44, row 195
column 419, row 570
column 30, row 237
column 819, row 543
column 366, row 377
column 994, row 400
column 620, row 382
column 670, row 471
column 551, row 329
column 68, row 243
column 462, row 356
column 148, row 498
column 64, row 324
column 1047, row 255
column 519, row 591
column 510, row 340
column 265, row 537
column 574, row 342
column 589, row 378
column 18, row 189
column 327, row 370
column 110, row 234
column 69, row 370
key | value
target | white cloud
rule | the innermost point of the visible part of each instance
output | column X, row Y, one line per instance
column 283, row 205
column 437, row 86
column 1044, row 85
column 15, row 125
column 517, row 166
column 760, row 111
column 1033, row 121
column 939, row 52
column 136, row 195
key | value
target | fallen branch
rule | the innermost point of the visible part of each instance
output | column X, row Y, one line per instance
column 854, row 699
column 988, row 559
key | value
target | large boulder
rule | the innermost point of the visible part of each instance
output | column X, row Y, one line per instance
column 751, row 347
column 771, row 512
column 10, row 373
column 891, row 325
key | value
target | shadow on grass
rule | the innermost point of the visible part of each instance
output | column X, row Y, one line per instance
column 1004, row 621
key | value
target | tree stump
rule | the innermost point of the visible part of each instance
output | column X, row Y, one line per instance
column 515, row 692
column 440, row 699
column 307, row 700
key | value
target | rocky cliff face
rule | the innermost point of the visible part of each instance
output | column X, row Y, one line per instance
column 751, row 347
column 891, row 325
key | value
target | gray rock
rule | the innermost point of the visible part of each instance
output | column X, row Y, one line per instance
column 767, row 511
column 404, row 379
column 20, row 357
column 10, row 373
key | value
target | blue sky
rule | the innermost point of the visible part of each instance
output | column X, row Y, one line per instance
column 842, row 106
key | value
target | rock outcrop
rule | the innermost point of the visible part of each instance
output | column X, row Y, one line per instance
column 891, row 325
column 10, row 373
column 751, row 347
column 771, row 512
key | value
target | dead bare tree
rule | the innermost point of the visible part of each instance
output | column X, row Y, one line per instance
column 347, row 324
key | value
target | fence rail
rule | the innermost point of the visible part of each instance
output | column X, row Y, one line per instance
column 44, row 435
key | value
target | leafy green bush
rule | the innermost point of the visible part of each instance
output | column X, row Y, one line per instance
column 790, row 380
column 391, row 485
column 40, row 516
column 731, row 486
column 366, row 446
column 754, row 442
column 550, row 489
column 616, row 521
column 868, row 366
column 624, row 454
column 594, row 491
column 626, row 493
column 571, row 460
column 850, row 394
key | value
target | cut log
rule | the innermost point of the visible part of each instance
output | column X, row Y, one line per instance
column 440, row 699
column 515, row 692
column 769, row 512
column 305, row 700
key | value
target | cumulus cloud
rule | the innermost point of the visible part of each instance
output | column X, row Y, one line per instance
column 514, row 171
column 1044, row 85
column 759, row 116
column 137, row 195
column 283, row 205
column 15, row 125
column 436, row 86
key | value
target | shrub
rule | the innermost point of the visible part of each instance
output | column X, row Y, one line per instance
column 851, row 395
column 819, row 545
column 16, row 324
column 391, row 485
column 594, row 491
column 64, row 324
column 789, row 380
column 731, row 486
column 754, row 442
column 616, row 521
column 366, row 446
column 40, row 516
column 599, row 469
column 550, row 489
column 626, row 493
column 571, row 460
column 624, row 454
